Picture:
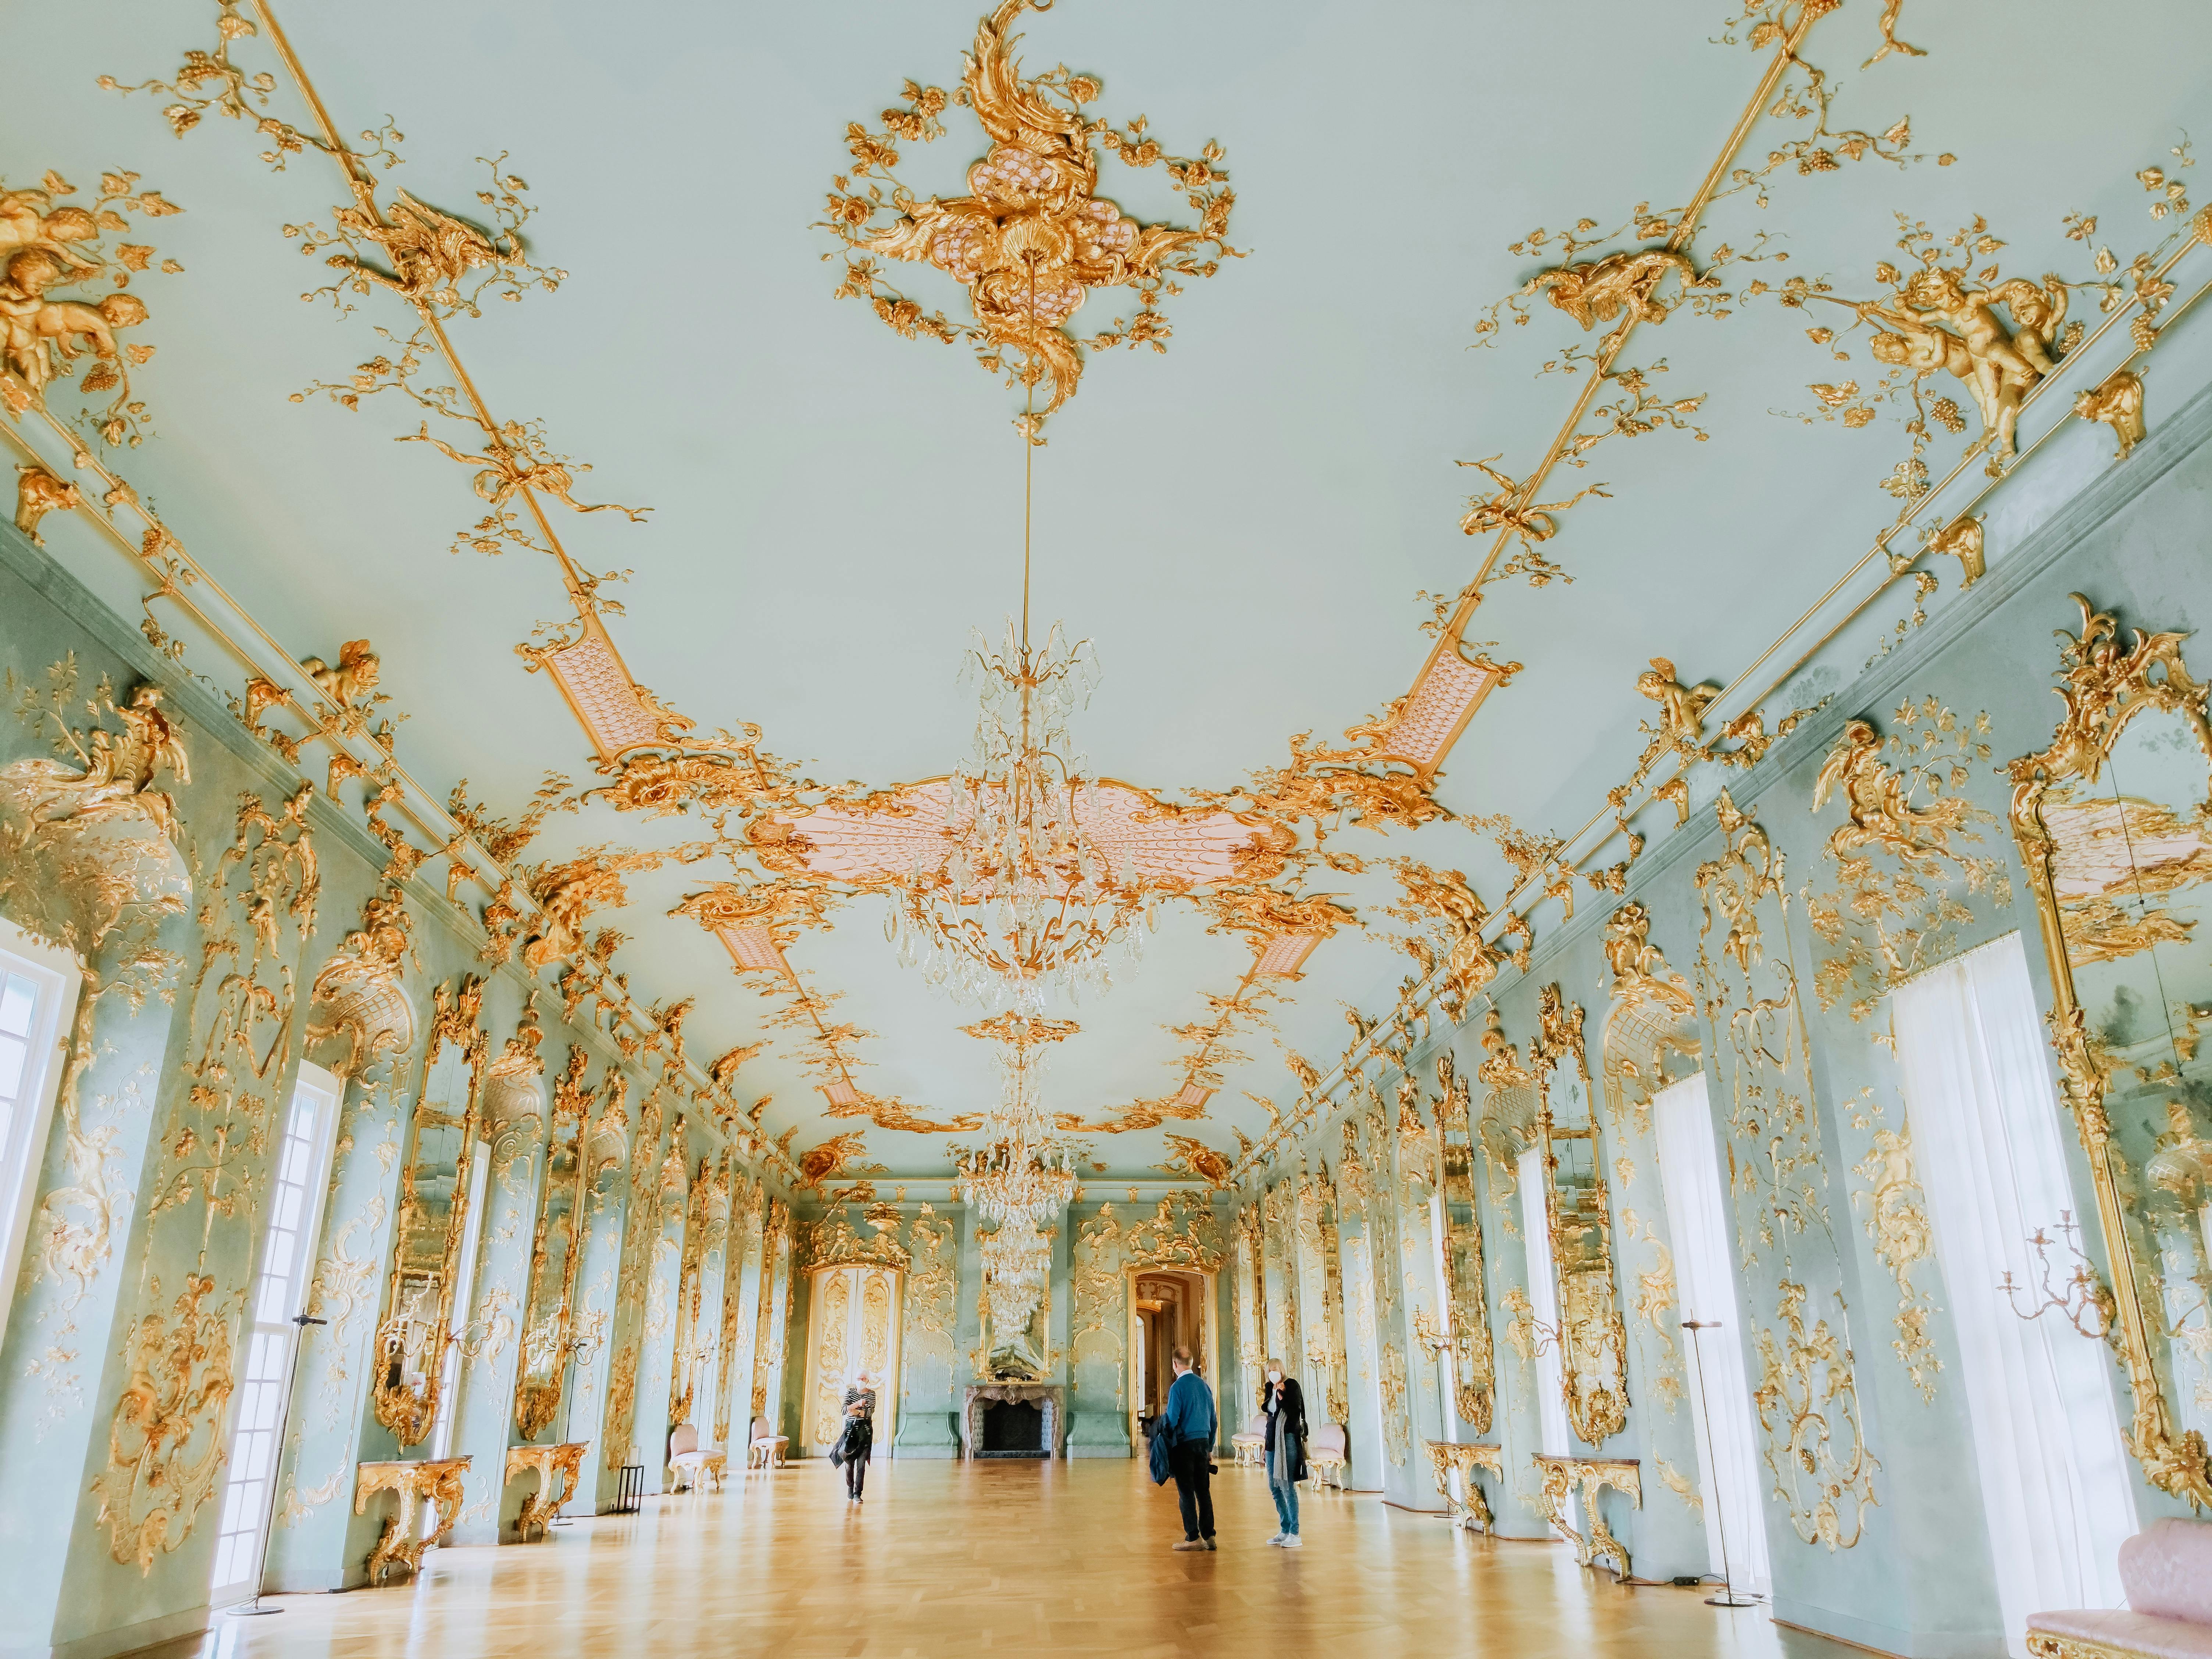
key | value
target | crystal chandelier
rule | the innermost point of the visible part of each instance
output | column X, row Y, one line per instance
column 1019, row 899
column 1022, row 1175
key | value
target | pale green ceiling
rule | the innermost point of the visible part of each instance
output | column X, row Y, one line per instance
column 1240, row 524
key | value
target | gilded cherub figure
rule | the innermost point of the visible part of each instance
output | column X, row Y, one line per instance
column 1681, row 707
column 355, row 676
column 1940, row 323
column 42, row 333
column 28, row 219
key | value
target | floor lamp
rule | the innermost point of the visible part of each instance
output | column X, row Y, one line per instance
column 253, row 1610
column 1728, row 1597
column 572, row 1348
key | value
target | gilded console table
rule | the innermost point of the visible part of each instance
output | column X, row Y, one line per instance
column 557, row 1467
column 1562, row 1475
column 1473, row 1511
column 434, row 1480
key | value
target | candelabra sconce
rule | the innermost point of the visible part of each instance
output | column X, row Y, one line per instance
column 1426, row 1332
column 2085, row 1301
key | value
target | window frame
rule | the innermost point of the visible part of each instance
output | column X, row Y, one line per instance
column 60, row 979
column 318, row 1188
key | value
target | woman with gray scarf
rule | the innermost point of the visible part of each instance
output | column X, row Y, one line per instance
column 1286, row 1451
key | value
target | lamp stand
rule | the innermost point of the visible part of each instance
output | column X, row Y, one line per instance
column 1728, row 1597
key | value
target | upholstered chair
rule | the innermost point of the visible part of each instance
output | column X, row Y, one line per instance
column 768, row 1446
column 1327, row 1456
column 1251, row 1446
column 689, row 1462
column 2166, row 1570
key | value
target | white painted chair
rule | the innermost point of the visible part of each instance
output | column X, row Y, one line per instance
column 768, row 1446
column 689, row 1462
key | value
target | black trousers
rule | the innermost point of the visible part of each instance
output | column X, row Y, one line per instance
column 1195, row 1487
column 856, row 1473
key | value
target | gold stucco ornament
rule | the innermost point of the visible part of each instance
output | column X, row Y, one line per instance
column 1033, row 238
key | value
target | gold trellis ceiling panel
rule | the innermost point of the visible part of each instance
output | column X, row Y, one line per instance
column 904, row 835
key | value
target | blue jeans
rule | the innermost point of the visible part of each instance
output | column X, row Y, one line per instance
column 1286, row 1494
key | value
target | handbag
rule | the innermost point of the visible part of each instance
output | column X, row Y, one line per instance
column 1161, row 1468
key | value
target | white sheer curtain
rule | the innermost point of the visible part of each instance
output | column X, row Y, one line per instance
column 1987, row 1130
column 1697, row 1222
column 1544, row 1299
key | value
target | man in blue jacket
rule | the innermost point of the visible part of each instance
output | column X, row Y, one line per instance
column 1189, row 1425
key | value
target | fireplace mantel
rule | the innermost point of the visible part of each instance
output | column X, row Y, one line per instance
column 1050, row 1398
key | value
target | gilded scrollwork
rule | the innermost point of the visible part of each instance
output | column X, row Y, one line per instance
column 1897, row 1225
column 165, row 1443
column 358, row 991
column 1906, row 812
column 1450, row 943
column 1650, row 1028
column 1034, row 237
column 1806, row 1393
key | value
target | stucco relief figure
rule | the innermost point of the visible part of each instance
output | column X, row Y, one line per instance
column 28, row 219
column 1940, row 324
column 41, row 334
column 1681, row 707
column 39, row 492
column 2117, row 403
column 117, row 781
column 1623, row 285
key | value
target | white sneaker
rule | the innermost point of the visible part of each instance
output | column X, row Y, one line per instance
column 1292, row 1541
column 1278, row 1538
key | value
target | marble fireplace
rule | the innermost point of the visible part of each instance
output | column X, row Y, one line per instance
column 1049, row 1398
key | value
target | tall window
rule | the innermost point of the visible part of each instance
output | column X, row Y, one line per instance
column 1704, row 1288
column 38, row 990
column 1544, row 1301
column 1987, row 1141
column 295, row 1199
column 449, row 1386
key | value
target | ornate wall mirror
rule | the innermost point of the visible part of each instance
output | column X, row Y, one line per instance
column 691, row 1355
column 2114, row 823
column 1472, row 1369
column 1593, row 1338
column 433, row 1215
column 555, row 1252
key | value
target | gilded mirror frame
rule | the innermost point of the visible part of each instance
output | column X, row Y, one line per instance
column 1593, row 1337
column 457, row 1019
column 537, row 1396
column 2103, row 688
column 1474, row 1390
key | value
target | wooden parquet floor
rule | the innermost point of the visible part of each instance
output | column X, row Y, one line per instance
column 945, row 1558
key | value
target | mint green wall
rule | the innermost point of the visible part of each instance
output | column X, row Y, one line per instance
column 1905, row 1569
column 145, row 1188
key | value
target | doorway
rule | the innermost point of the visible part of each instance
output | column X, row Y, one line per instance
column 854, row 1318
column 1168, row 1309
